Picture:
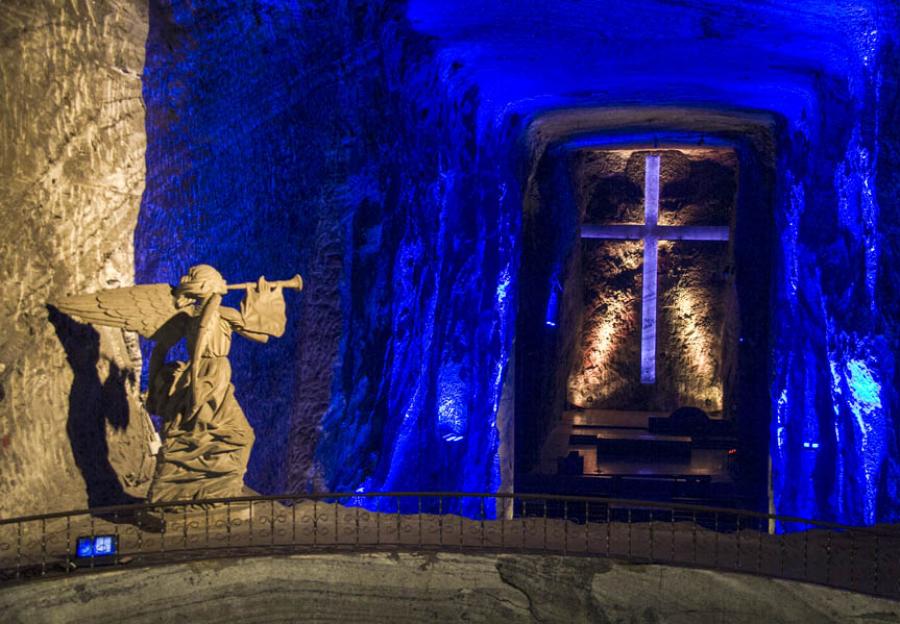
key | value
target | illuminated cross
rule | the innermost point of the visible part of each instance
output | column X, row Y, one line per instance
column 651, row 233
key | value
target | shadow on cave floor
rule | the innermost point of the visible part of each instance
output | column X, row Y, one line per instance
column 91, row 404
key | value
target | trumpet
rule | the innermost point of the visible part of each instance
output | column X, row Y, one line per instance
column 295, row 283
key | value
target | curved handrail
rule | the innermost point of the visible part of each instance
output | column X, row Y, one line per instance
column 861, row 559
column 623, row 502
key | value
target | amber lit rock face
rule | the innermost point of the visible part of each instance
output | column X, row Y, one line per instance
column 695, row 309
column 71, row 178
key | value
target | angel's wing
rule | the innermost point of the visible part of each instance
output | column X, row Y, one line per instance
column 143, row 308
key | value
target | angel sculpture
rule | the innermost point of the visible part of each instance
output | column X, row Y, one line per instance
column 206, row 437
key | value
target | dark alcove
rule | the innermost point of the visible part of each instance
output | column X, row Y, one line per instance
column 655, row 390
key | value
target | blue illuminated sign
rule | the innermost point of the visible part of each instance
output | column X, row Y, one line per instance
column 96, row 546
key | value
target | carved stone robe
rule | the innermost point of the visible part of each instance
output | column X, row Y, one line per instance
column 207, row 440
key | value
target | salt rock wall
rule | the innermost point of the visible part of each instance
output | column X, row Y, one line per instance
column 325, row 138
column 71, row 177
column 363, row 144
column 431, row 285
column 235, row 107
column 696, row 315
column 835, row 446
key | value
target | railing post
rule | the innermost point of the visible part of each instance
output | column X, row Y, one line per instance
column 44, row 547
column 782, row 551
column 545, row 524
column 806, row 554
column 759, row 548
column 118, row 544
column 93, row 541
column 629, row 532
column 694, row 534
column 162, row 530
column 672, row 544
column 228, row 523
column 481, row 522
column 140, row 534
column 608, row 530
column 587, row 530
column 876, row 555
column 460, row 511
column 18, row 549
column 250, row 523
column 69, row 543
column 524, row 526
column 716, row 538
column 315, row 522
column 294, row 502
column 502, row 520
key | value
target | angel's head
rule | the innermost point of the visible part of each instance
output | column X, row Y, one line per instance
column 201, row 282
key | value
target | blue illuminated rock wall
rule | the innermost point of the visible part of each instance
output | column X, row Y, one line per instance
column 825, row 72
column 369, row 146
column 430, row 298
column 241, row 160
column 834, row 431
column 323, row 138
column 888, row 281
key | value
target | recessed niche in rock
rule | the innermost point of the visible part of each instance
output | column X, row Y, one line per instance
column 683, row 329
column 647, row 379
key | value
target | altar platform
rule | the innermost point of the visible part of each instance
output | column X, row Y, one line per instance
column 635, row 455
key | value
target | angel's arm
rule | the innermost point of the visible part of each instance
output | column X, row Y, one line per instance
column 236, row 321
column 262, row 313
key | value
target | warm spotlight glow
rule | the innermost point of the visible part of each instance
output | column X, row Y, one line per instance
column 609, row 323
column 651, row 233
column 592, row 381
column 699, row 385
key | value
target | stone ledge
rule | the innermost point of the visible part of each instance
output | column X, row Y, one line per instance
column 413, row 587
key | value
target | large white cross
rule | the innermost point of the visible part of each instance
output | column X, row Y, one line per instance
column 651, row 233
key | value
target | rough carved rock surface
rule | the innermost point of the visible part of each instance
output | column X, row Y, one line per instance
column 382, row 149
column 409, row 587
column 71, row 177
column 696, row 317
column 242, row 172
column 396, row 139
column 391, row 375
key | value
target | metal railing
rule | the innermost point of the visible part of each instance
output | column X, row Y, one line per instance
column 859, row 559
